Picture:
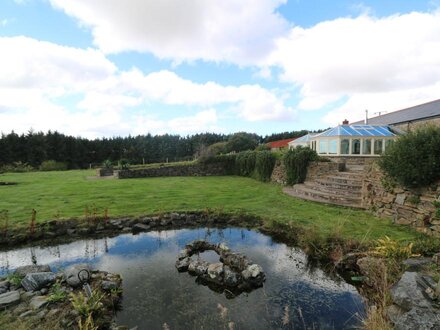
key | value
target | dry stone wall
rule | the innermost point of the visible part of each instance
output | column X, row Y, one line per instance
column 404, row 206
column 187, row 170
column 317, row 170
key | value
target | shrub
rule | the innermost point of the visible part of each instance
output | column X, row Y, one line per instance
column 414, row 159
column 16, row 167
column 107, row 164
column 264, row 163
column 124, row 164
column 52, row 165
column 262, row 147
column 296, row 161
column 245, row 163
column 227, row 161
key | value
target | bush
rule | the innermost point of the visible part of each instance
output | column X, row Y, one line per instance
column 124, row 164
column 296, row 162
column 414, row 159
column 107, row 164
column 242, row 141
column 245, row 163
column 52, row 165
column 16, row 167
column 264, row 164
column 227, row 161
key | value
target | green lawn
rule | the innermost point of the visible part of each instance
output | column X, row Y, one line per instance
column 67, row 194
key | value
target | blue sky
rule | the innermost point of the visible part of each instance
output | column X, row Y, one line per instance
column 97, row 68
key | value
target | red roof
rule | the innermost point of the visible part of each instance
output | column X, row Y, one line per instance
column 280, row 143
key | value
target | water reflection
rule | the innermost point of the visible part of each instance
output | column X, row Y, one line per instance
column 293, row 295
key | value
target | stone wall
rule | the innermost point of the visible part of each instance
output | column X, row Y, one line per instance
column 404, row 206
column 104, row 172
column 353, row 160
column 316, row 170
column 412, row 125
column 279, row 173
column 185, row 170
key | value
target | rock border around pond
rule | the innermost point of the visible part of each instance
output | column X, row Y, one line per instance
column 34, row 294
column 235, row 272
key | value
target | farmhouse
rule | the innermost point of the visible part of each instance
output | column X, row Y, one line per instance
column 409, row 118
column 280, row 144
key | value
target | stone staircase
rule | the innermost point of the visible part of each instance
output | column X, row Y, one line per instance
column 342, row 188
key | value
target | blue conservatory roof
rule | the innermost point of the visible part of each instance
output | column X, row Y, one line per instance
column 358, row 130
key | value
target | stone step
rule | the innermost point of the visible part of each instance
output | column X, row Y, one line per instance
column 344, row 190
column 354, row 168
column 344, row 179
column 350, row 175
column 338, row 185
column 302, row 191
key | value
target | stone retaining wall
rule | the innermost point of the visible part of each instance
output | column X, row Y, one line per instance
column 404, row 206
column 279, row 173
column 178, row 170
column 316, row 170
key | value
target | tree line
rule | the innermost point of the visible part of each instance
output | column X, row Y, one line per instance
column 33, row 148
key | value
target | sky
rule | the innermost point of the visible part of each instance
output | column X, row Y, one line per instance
column 103, row 68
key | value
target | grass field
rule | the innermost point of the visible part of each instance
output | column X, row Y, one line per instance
column 67, row 194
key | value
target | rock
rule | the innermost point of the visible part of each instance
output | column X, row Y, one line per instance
column 24, row 270
column 418, row 318
column 37, row 281
column 109, row 285
column 52, row 312
column 222, row 247
column 71, row 274
column 28, row 295
column 9, row 299
column 40, row 315
column 407, row 293
column 255, row 270
column 215, row 272
column 71, row 231
column 4, row 284
column 38, row 301
column 415, row 264
column 394, row 312
column 400, row 199
column 184, row 253
column 198, row 267
column 230, row 277
column 26, row 314
column 183, row 264
column 137, row 228
column 373, row 269
column 44, row 291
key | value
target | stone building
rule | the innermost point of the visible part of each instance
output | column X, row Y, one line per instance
column 409, row 118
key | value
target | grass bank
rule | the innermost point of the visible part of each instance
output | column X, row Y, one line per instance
column 67, row 194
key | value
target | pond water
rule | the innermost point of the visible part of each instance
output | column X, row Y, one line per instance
column 294, row 295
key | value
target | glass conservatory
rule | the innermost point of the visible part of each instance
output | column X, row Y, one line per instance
column 353, row 140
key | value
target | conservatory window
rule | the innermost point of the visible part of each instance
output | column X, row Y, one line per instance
column 333, row 147
column 366, row 147
column 323, row 146
column 355, row 147
column 345, row 147
column 378, row 147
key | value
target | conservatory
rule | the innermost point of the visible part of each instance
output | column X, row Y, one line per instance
column 353, row 140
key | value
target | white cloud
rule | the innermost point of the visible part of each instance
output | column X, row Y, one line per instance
column 375, row 63
column 80, row 92
column 229, row 30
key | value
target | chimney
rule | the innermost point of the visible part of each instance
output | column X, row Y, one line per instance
column 366, row 117
column 345, row 122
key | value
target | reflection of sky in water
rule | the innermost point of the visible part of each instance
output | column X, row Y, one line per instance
column 155, row 293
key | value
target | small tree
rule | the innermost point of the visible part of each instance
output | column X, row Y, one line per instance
column 413, row 160
column 296, row 162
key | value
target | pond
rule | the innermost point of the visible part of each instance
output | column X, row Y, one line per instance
column 293, row 296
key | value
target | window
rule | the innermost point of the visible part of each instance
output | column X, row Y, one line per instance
column 333, row 147
column 345, row 147
column 323, row 146
column 366, row 147
column 355, row 147
column 378, row 147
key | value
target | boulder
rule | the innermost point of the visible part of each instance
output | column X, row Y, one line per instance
column 140, row 227
column 38, row 302
column 37, row 281
column 418, row 318
column 9, row 298
column 183, row 264
column 230, row 277
column 24, row 270
column 198, row 267
column 415, row 264
column 109, row 285
column 4, row 286
column 408, row 293
column 71, row 274
column 215, row 272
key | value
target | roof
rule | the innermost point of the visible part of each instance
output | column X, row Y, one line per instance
column 280, row 143
column 418, row 112
column 304, row 139
column 358, row 130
